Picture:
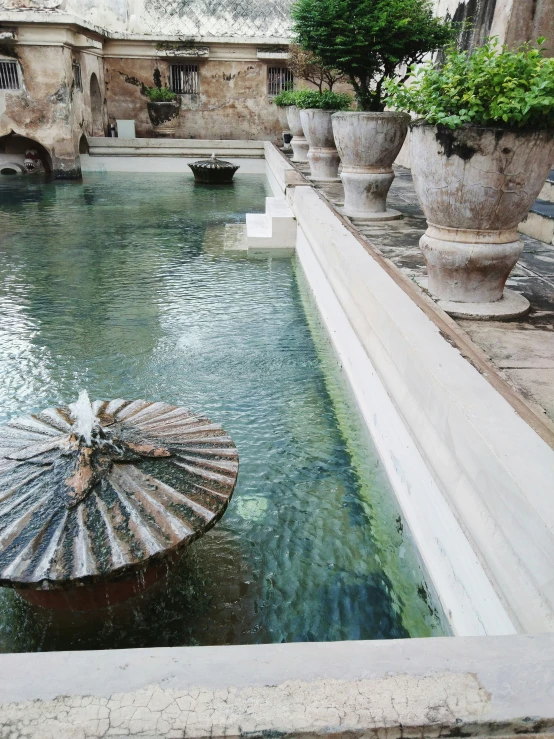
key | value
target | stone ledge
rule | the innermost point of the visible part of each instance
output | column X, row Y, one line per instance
column 115, row 147
column 419, row 687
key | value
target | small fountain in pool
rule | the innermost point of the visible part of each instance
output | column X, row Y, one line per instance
column 98, row 500
column 214, row 171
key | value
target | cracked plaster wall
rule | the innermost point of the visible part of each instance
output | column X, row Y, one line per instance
column 232, row 104
column 49, row 108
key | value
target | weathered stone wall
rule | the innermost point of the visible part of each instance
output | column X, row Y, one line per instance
column 232, row 103
column 531, row 19
column 513, row 21
column 49, row 108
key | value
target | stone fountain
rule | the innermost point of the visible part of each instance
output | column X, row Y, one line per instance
column 214, row 171
column 99, row 500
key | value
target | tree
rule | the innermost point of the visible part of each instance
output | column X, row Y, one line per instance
column 306, row 65
column 370, row 40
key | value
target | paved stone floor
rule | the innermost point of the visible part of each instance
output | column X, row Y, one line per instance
column 522, row 351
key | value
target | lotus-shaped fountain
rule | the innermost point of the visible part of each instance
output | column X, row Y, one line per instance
column 98, row 500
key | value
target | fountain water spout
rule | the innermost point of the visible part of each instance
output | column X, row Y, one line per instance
column 84, row 418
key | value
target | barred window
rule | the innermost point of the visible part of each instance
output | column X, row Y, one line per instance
column 184, row 79
column 9, row 76
column 279, row 79
column 77, row 77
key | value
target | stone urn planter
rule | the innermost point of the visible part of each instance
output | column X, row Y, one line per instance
column 298, row 143
column 475, row 185
column 164, row 116
column 283, row 120
column 322, row 153
column 368, row 144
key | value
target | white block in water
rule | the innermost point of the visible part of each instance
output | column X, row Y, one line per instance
column 274, row 229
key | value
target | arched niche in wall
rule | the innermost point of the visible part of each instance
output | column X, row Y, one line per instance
column 20, row 153
column 97, row 116
column 83, row 145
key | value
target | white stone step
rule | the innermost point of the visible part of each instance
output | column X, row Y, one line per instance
column 277, row 208
column 274, row 229
column 258, row 226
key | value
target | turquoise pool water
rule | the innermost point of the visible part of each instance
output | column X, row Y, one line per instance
column 120, row 285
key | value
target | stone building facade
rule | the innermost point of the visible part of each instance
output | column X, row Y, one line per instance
column 70, row 68
column 81, row 65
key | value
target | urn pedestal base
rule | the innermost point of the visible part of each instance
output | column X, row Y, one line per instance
column 364, row 217
column 365, row 195
column 468, row 275
column 324, row 164
column 511, row 305
column 299, row 149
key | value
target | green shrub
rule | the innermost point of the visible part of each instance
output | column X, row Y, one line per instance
column 160, row 94
column 369, row 40
column 285, row 98
column 491, row 87
column 325, row 100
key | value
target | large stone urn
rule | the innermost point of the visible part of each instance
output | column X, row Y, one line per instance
column 164, row 116
column 298, row 143
column 475, row 185
column 283, row 120
column 323, row 156
column 368, row 144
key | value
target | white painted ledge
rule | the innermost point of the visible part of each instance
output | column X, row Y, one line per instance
column 279, row 171
column 155, row 164
column 418, row 687
column 107, row 146
column 492, row 468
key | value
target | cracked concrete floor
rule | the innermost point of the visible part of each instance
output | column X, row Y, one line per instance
column 522, row 351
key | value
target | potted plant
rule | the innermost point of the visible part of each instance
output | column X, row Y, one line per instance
column 287, row 99
column 306, row 66
column 316, row 109
column 163, row 110
column 369, row 41
column 480, row 157
column 282, row 102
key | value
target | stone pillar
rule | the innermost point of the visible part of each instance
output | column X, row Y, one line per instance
column 66, row 161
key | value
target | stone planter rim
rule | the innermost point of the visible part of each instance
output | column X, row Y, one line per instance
column 321, row 110
column 175, row 103
column 373, row 114
column 423, row 123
